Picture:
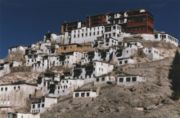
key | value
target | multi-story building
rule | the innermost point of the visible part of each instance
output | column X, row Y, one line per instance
column 39, row 105
column 132, row 21
column 15, row 94
column 86, row 34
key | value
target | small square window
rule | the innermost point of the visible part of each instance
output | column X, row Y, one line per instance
column 134, row 79
column 42, row 105
column 82, row 94
column 120, row 62
column 76, row 94
column 38, row 105
column 128, row 79
column 87, row 94
column 120, row 79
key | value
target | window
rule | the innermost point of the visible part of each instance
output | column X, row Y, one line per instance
column 103, row 79
column 107, row 29
column 1, row 89
column 6, row 89
column 18, row 87
column 82, row 94
column 14, row 88
column 87, row 94
column 43, row 99
column 76, row 94
column 120, row 79
column 114, row 27
column 33, row 105
column 126, row 61
column 97, row 79
column 114, row 34
column 128, row 79
column 134, row 79
column 38, row 105
column 98, row 33
column 120, row 62
column 42, row 105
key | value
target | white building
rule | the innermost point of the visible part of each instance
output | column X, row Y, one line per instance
column 27, row 115
column 129, row 80
column 4, row 68
column 61, row 39
column 72, row 58
column 124, row 61
column 104, row 79
column 15, row 94
column 41, row 62
column 112, row 31
column 67, row 86
column 129, row 51
column 133, row 44
column 41, row 65
column 16, row 63
column 101, row 68
column 84, row 94
column 19, row 49
column 56, row 85
column 39, row 105
column 166, row 38
column 105, row 42
column 160, row 36
column 45, row 47
column 152, row 53
column 86, row 34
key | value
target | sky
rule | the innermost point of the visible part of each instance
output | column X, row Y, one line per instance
column 23, row 22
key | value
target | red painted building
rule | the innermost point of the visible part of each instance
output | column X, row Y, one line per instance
column 139, row 21
column 92, row 21
column 132, row 21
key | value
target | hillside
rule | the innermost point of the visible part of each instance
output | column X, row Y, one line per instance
column 148, row 100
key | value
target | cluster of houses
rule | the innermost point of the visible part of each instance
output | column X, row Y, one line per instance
column 87, row 53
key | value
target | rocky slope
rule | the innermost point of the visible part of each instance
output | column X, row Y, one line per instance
column 146, row 100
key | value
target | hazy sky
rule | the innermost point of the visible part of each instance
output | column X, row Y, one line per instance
column 23, row 22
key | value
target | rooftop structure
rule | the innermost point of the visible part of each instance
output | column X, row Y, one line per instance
column 132, row 21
